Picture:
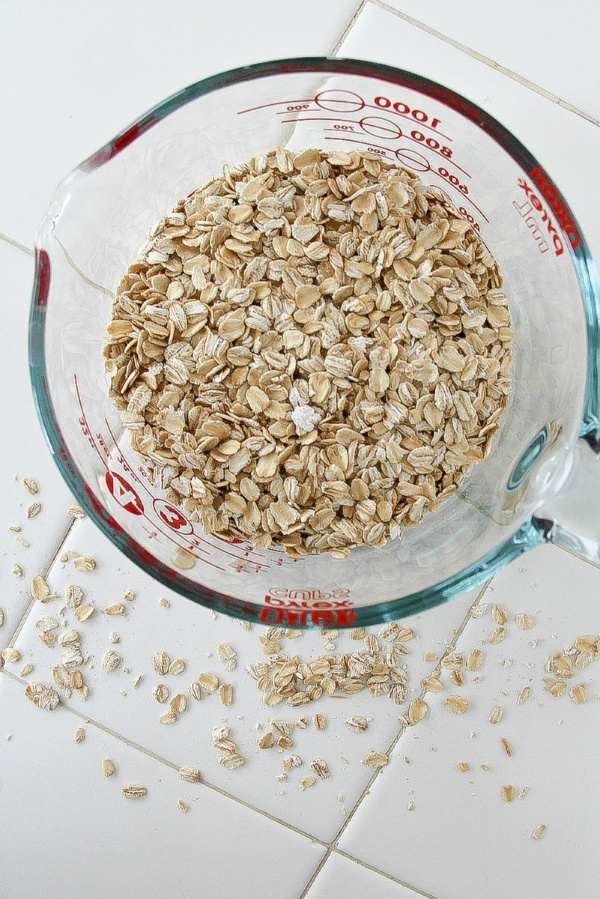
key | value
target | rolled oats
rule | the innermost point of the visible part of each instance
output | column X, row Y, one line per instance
column 312, row 351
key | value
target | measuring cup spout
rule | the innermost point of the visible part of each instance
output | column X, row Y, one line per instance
column 572, row 518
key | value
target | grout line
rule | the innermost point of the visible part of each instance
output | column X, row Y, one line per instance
column 84, row 277
column 349, row 27
column 45, row 571
column 480, row 57
column 163, row 761
column 315, row 874
column 16, row 244
column 454, row 638
column 402, row 883
column 575, row 555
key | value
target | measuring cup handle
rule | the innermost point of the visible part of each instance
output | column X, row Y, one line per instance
column 572, row 518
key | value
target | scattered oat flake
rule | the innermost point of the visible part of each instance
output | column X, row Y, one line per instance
column 10, row 655
column 456, row 704
column 320, row 768
column 375, row 759
column 84, row 563
column 523, row 695
column 232, row 761
column 463, row 766
column 33, row 510
column 64, row 557
column 17, row 571
column 499, row 614
column 523, row 792
column 358, row 633
column 15, row 528
column 41, row 695
column 523, row 621
column 432, row 684
column 508, row 793
column 134, row 791
column 495, row 715
column 178, row 704
column 177, row 666
column 195, row 690
column 266, row 741
column 84, row 611
column 411, row 806
column 26, row 669
column 226, row 694
column 129, row 596
column 30, row 485
column 79, row 735
column 161, row 662
column 111, row 660
column 24, row 543
column 190, row 775
column 167, row 718
column 319, row 721
column 165, row 603
column 39, row 587
column 474, row 660
column 430, row 657
column 108, row 767
column 356, row 723
column 209, row 682
column 116, row 609
column 497, row 635
column 137, row 680
column 308, row 781
column 538, row 831
column 417, row 710
column 507, row 747
column 227, row 655
column 160, row 693
column 183, row 559
column 578, row 693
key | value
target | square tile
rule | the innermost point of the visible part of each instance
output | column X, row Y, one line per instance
column 69, row 825
column 564, row 143
column 479, row 844
column 23, row 453
column 340, row 878
column 191, row 633
column 127, row 58
column 539, row 41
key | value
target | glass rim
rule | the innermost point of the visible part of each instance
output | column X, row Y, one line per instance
column 529, row 534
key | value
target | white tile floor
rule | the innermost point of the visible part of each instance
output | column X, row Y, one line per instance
column 247, row 833
column 533, row 40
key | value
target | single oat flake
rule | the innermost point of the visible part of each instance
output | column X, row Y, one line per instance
column 43, row 696
column 108, row 767
column 456, row 704
column 134, row 791
column 190, row 775
column 539, row 830
column 375, row 759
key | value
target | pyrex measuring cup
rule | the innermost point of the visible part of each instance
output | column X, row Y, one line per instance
column 544, row 454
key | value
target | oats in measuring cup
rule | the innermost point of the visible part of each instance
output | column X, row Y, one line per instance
column 311, row 351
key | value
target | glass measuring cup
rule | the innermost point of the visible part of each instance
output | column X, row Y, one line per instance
column 542, row 463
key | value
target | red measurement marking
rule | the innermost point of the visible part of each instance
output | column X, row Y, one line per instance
column 277, row 103
column 123, row 493
column 336, row 100
column 85, row 426
column 172, row 517
column 167, row 506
